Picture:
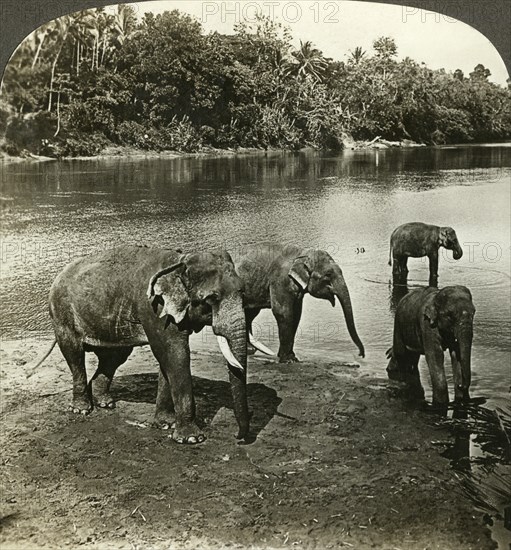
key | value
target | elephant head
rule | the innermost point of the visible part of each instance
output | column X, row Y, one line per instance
column 448, row 239
column 452, row 312
column 204, row 289
column 316, row 272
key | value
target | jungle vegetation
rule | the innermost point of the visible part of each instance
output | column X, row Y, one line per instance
column 95, row 78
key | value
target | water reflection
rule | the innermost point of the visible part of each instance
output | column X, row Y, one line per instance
column 397, row 290
column 347, row 204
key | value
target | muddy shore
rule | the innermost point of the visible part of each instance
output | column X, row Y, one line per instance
column 134, row 153
column 338, row 461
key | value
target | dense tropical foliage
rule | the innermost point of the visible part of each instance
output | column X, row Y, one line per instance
column 96, row 78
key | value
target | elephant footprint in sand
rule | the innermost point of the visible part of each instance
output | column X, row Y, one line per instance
column 110, row 302
column 277, row 276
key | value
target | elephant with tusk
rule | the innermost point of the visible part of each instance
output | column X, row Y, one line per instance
column 278, row 276
column 417, row 240
column 429, row 321
column 112, row 301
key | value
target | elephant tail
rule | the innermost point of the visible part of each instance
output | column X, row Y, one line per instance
column 32, row 370
column 389, row 353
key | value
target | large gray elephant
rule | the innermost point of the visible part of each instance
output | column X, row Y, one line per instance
column 278, row 276
column 429, row 321
column 110, row 302
column 416, row 240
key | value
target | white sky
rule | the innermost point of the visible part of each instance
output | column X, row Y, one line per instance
column 336, row 27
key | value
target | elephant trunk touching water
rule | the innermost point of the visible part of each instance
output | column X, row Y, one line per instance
column 278, row 276
column 416, row 240
column 340, row 289
column 427, row 322
column 464, row 334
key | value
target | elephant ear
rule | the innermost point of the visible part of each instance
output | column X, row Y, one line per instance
column 300, row 272
column 444, row 236
column 166, row 287
column 431, row 314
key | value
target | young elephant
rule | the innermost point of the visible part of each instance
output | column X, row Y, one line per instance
column 132, row 296
column 417, row 240
column 278, row 276
column 429, row 321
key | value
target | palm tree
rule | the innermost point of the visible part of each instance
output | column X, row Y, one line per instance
column 357, row 54
column 310, row 62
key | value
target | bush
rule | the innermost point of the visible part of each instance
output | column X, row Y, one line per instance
column 179, row 135
column 29, row 132
column 75, row 144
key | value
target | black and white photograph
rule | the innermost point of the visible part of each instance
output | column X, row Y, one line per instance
column 255, row 275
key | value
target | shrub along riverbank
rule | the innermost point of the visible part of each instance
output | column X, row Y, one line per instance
column 93, row 79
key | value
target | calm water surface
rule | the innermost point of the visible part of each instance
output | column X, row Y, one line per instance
column 347, row 204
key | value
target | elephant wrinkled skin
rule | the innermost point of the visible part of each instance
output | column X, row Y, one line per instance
column 277, row 276
column 132, row 296
column 417, row 240
column 429, row 321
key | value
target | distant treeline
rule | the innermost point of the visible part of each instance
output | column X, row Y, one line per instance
column 97, row 78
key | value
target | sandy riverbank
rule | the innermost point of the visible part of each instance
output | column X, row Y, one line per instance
column 115, row 151
column 338, row 462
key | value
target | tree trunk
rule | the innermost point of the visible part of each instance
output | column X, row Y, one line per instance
column 38, row 51
column 58, row 116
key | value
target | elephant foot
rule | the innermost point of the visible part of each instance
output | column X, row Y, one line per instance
column 188, row 434
column 395, row 372
column 289, row 358
column 105, row 401
column 165, row 420
column 461, row 395
column 438, row 407
column 81, row 405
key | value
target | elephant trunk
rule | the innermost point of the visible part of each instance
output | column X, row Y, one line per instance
column 457, row 251
column 341, row 291
column 229, row 323
column 464, row 336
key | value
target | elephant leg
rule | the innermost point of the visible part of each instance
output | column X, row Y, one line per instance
column 73, row 351
column 398, row 366
column 165, row 416
column 413, row 378
column 433, row 268
column 173, row 354
column 400, row 269
column 435, row 360
column 287, row 315
column 110, row 359
column 250, row 315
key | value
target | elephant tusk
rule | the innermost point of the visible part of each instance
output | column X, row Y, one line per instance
column 259, row 345
column 227, row 353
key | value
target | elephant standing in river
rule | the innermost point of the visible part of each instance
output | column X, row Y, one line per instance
column 132, row 296
column 429, row 321
column 277, row 276
column 416, row 240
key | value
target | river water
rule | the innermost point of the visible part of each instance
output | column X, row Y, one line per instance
column 347, row 204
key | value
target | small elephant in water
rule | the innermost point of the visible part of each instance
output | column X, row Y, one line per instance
column 416, row 240
column 429, row 321
column 110, row 302
column 277, row 276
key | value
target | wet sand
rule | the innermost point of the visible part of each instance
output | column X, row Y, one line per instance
column 338, row 461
